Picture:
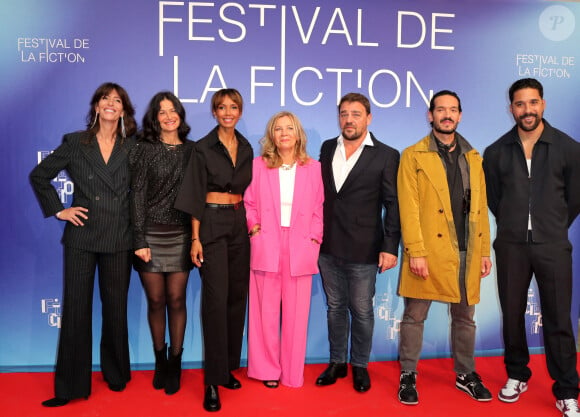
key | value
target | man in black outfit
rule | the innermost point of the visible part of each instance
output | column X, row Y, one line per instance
column 533, row 179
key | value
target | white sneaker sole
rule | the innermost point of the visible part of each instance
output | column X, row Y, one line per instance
column 483, row 400
column 511, row 399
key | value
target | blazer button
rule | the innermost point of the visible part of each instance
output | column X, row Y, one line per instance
column 439, row 235
column 97, row 198
column 440, row 210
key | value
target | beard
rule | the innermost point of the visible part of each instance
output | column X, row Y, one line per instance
column 437, row 127
column 355, row 135
column 443, row 131
column 528, row 128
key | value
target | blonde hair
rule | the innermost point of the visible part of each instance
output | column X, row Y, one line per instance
column 270, row 152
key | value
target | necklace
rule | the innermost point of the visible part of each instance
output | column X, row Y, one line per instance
column 232, row 143
column 169, row 145
column 288, row 167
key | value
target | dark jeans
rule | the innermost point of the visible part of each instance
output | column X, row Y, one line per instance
column 349, row 289
column 551, row 263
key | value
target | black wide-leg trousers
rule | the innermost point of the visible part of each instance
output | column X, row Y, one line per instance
column 74, row 360
column 225, row 276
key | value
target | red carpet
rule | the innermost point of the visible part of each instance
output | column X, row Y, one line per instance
column 22, row 393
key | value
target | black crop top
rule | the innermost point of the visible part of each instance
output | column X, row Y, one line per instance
column 210, row 169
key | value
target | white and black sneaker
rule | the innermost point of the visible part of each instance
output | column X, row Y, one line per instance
column 407, row 388
column 568, row 407
column 511, row 391
column 471, row 384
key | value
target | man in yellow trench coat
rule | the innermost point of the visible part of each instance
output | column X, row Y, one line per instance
column 446, row 243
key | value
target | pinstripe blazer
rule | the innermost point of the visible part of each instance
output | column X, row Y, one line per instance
column 101, row 188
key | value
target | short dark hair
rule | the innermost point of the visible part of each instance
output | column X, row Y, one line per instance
column 104, row 89
column 526, row 83
column 444, row 93
column 355, row 97
column 220, row 95
column 151, row 128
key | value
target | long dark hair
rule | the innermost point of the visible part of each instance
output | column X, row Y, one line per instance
column 151, row 128
column 93, row 122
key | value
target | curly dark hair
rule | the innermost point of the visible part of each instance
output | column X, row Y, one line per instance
column 151, row 129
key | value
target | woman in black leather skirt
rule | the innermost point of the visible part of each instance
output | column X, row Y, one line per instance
column 162, row 234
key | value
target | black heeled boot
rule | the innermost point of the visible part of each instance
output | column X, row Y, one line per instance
column 211, row 398
column 172, row 381
column 160, row 368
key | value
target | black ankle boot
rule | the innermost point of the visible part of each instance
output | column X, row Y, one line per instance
column 211, row 398
column 160, row 368
column 172, row 381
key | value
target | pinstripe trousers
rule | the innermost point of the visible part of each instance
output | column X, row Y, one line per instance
column 74, row 361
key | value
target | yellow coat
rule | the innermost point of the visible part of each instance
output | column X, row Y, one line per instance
column 428, row 229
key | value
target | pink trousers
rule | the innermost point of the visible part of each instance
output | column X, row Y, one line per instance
column 278, row 322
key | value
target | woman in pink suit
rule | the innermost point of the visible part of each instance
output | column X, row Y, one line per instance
column 284, row 212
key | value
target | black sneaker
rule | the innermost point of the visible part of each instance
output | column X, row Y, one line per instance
column 471, row 384
column 407, row 391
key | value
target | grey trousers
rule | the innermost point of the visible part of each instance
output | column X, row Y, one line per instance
column 462, row 330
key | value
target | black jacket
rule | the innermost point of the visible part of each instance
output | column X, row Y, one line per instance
column 551, row 194
column 354, row 227
column 101, row 188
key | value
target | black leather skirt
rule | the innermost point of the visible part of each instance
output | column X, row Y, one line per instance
column 170, row 245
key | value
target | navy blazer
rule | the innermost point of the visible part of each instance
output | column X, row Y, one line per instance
column 354, row 226
column 101, row 188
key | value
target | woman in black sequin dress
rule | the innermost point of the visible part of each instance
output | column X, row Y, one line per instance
column 162, row 234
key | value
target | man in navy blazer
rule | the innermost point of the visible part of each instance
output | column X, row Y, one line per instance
column 360, row 180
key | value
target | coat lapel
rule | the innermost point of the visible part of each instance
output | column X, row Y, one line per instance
column 326, row 161
column 274, row 185
column 367, row 155
column 93, row 155
column 432, row 166
column 300, row 191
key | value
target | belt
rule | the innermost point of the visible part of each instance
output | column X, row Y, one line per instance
column 234, row 206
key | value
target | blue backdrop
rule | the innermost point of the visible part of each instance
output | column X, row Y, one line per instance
column 297, row 56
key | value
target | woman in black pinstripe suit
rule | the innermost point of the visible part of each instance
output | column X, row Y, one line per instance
column 97, row 233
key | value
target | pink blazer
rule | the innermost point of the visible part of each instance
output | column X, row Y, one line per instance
column 262, row 201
